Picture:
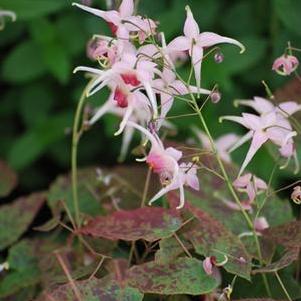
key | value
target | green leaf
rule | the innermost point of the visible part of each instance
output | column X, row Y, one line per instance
column 183, row 276
column 38, row 139
column 29, row 9
column 54, row 54
column 23, row 64
column 210, row 238
column 16, row 217
column 288, row 12
column 23, row 269
column 8, row 179
column 95, row 290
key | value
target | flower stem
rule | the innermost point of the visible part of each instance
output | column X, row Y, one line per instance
column 75, row 140
column 231, row 189
column 283, row 287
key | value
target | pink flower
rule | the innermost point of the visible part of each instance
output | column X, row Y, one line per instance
column 207, row 265
column 262, row 129
column 260, row 224
column 164, row 162
column 279, row 132
column 195, row 42
column 102, row 49
column 122, row 22
column 169, row 87
column 251, row 185
column 296, row 195
column 285, row 64
column 222, row 144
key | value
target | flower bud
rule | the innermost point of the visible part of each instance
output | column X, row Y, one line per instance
column 285, row 64
column 215, row 96
column 296, row 195
column 219, row 57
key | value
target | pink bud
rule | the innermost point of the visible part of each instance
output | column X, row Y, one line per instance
column 296, row 195
column 207, row 265
column 215, row 96
column 260, row 224
column 285, row 64
column 219, row 57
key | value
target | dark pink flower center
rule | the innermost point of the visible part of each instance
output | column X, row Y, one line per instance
column 121, row 98
column 130, row 79
column 113, row 27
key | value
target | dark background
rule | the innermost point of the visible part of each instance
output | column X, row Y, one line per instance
column 39, row 93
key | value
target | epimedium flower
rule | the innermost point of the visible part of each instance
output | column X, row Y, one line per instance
column 165, row 162
column 296, row 195
column 134, row 72
column 168, row 87
column 122, row 22
column 250, row 184
column 283, row 112
column 267, row 127
column 285, row 64
column 195, row 42
column 260, row 224
column 222, row 144
column 6, row 13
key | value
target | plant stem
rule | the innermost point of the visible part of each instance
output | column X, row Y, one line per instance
column 231, row 189
column 283, row 287
column 75, row 140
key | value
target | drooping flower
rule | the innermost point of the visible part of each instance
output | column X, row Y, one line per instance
column 250, row 184
column 6, row 13
column 195, row 42
column 261, row 224
column 296, row 195
column 267, row 127
column 165, row 163
column 222, row 144
column 208, row 265
column 285, row 64
column 122, row 22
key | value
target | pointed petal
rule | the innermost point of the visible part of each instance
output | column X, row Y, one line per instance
column 289, row 107
column 259, row 138
column 126, row 140
column 182, row 197
column 107, row 107
column 163, row 191
column 208, row 39
column 125, row 120
column 196, row 59
column 191, row 27
column 179, row 44
column 177, row 155
column 193, row 181
column 126, row 8
column 241, row 141
column 152, row 98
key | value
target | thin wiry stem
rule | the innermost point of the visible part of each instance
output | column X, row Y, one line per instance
column 283, row 287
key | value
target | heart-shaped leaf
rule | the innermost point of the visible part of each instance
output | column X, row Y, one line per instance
column 16, row 217
column 183, row 276
column 149, row 223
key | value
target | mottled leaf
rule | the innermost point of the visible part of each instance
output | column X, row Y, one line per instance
column 23, row 269
column 170, row 249
column 16, row 217
column 289, row 257
column 93, row 290
column 288, row 235
column 183, row 276
column 8, row 179
column 149, row 223
column 210, row 238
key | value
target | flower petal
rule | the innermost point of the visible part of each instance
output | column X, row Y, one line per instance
column 126, row 8
column 179, row 44
column 191, row 27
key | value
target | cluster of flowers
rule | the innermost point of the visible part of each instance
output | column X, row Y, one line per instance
column 139, row 67
column 137, row 70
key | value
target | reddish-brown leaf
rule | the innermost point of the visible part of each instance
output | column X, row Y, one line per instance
column 289, row 257
column 149, row 223
column 210, row 238
column 288, row 235
column 16, row 217
column 8, row 179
